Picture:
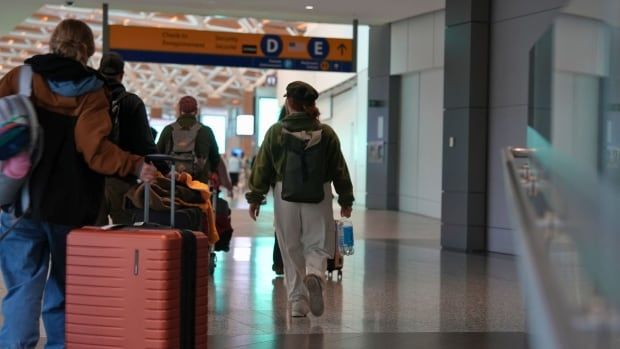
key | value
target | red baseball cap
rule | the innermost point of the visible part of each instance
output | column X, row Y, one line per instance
column 188, row 105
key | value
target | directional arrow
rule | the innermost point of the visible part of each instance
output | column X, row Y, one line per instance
column 342, row 49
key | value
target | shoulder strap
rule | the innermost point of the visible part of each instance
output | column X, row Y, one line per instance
column 115, row 108
column 25, row 80
column 195, row 129
column 25, row 89
column 118, row 100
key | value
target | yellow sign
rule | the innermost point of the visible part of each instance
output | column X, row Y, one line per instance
column 256, row 50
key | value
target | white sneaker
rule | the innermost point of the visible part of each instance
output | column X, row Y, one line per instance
column 299, row 309
column 315, row 291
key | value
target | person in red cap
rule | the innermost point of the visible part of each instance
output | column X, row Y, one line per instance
column 191, row 140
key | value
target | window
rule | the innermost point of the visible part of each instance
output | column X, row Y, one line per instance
column 245, row 125
column 218, row 125
column 268, row 112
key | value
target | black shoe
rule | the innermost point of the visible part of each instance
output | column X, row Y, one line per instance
column 221, row 247
column 278, row 269
column 212, row 263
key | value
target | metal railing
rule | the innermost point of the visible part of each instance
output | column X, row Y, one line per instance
column 571, row 302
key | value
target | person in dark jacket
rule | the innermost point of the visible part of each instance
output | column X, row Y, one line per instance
column 133, row 135
column 66, row 186
column 205, row 151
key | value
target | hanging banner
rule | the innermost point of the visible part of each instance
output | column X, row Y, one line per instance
column 197, row 47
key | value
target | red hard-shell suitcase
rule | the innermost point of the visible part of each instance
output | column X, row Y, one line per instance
column 134, row 287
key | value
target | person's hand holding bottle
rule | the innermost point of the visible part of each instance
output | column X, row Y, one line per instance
column 346, row 211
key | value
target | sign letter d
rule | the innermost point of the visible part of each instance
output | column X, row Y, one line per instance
column 271, row 45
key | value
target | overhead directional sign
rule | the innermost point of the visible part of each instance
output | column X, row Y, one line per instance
column 182, row 46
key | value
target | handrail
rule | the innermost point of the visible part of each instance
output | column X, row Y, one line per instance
column 549, row 316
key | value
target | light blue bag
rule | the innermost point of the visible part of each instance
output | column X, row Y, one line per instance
column 19, row 109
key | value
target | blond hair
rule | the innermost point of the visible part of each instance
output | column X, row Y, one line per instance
column 73, row 39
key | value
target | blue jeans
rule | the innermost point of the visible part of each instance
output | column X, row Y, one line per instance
column 25, row 261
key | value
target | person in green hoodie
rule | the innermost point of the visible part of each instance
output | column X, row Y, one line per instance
column 303, row 158
column 188, row 137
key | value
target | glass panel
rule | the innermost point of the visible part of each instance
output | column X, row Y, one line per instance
column 572, row 180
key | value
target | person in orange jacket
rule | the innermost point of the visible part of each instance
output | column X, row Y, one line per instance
column 66, row 186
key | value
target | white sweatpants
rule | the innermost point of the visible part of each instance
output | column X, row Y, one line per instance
column 306, row 238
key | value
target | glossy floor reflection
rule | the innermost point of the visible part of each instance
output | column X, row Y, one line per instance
column 399, row 289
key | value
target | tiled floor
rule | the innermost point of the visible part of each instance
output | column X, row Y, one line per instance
column 399, row 290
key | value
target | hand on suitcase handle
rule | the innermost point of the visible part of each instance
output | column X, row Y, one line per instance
column 164, row 158
column 147, row 172
column 147, row 189
column 346, row 212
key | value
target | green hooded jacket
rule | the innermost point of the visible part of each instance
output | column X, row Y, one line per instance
column 206, row 145
column 271, row 159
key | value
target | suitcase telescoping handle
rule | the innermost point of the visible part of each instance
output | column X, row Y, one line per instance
column 147, row 187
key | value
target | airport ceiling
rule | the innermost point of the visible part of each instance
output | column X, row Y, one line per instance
column 162, row 84
column 330, row 11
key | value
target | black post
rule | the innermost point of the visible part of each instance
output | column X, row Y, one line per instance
column 355, row 38
column 105, row 29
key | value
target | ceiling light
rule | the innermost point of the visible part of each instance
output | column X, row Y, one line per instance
column 309, row 7
column 126, row 21
column 45, row 18
column 174, row 19
column 11, row 42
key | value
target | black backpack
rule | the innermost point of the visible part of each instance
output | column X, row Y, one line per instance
column 305, row 167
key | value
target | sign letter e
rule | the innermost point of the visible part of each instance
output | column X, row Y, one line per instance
column 318, row 48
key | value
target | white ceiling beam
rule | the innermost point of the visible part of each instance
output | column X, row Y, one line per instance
column 202, row 81
column 159, row 84
column 222, row 88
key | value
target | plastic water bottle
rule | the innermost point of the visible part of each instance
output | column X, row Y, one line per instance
column 345, row 237
column 339, row 237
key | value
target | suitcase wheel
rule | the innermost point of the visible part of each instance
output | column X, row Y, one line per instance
column 339, row 274
column 330, row 274
column 212, row 263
